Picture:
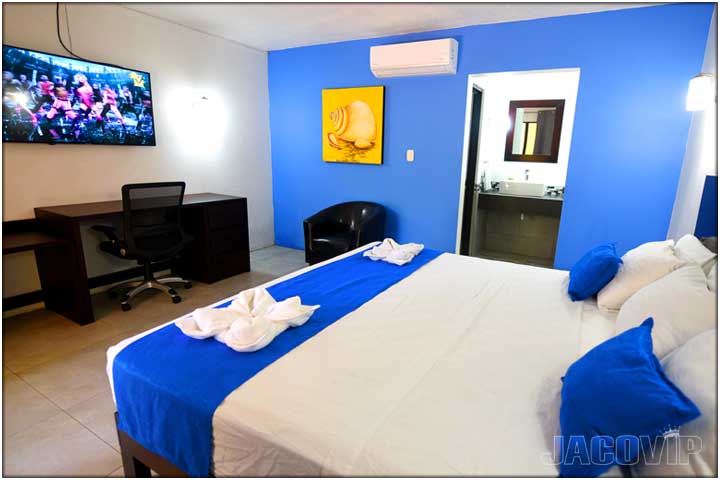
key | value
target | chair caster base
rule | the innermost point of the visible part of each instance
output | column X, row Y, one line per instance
column 161, row 284
column 187, row 285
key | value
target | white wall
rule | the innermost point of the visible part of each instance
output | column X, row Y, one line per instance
column 700, row 154
column 501, row 88
column 184, row 64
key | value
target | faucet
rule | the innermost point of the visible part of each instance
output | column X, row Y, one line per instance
column 527, row 175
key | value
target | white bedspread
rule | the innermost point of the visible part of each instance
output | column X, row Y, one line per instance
column 453, row 371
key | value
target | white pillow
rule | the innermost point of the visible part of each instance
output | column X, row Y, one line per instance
column 712, row 278
column 690, row 250
column 692, row 368
column 641, row 266
column 681, row 305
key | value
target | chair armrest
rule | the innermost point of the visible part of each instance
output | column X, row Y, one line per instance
column 110, row 232
column 314, row 229
column 318, row 224
column 323, row 216
column 307, row 232
column 310, row 231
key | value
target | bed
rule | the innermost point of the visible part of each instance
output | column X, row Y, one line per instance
column 453, row 371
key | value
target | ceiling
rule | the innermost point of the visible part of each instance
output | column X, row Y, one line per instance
column 277, row 26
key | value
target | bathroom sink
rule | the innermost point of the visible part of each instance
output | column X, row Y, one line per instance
column 526, row 189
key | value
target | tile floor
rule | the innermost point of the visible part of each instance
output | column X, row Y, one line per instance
column 57, row 406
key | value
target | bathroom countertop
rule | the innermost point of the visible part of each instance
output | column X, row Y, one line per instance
column 557, row 198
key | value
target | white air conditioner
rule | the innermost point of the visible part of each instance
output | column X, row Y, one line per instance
column 432, row 57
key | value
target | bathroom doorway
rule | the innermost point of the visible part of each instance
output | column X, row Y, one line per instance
column 512, row 195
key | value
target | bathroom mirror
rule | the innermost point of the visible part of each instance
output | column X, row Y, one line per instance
column 534, row 134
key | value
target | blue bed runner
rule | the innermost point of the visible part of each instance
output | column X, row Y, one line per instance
column 168, row 385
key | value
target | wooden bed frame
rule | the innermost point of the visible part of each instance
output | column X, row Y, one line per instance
column 138, row 461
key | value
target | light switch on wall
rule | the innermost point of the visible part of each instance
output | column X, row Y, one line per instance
column 410, row 155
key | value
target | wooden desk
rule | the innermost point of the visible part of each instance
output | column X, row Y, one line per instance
column 220, row 248
column 22, row 236
column 14, row 242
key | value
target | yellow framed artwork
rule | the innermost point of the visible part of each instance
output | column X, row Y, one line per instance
column 352, row 125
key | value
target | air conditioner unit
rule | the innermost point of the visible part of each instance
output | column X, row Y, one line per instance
column 432, row 57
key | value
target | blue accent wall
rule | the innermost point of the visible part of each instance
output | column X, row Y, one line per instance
column 628, row 140
column 706, row 225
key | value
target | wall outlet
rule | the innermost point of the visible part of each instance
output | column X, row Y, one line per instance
column 410, row 155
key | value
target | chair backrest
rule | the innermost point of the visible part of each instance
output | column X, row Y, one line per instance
column 351, row 214
column 151, row 216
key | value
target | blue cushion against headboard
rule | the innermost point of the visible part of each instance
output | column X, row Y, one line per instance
column 706, row 225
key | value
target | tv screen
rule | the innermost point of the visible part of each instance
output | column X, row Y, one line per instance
column 54, row 99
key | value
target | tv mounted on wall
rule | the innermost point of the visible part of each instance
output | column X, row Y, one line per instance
column 54, row 99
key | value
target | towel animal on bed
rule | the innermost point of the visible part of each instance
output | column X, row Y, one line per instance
column 392, row 252
column 249, row 323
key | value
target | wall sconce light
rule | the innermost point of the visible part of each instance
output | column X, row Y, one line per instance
column 701, row 92
column 202, row 106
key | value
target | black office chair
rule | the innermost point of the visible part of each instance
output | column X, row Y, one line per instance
column 151, row 233
column 341, row 228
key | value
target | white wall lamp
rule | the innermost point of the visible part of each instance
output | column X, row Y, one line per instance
column 701, row 92
column 202, row 106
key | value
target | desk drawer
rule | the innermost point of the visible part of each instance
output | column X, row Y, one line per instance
column 227, row 265
column 227, row 240
column 227, row 214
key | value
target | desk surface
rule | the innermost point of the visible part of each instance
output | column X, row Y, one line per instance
column 81, row 211
column 23, row 241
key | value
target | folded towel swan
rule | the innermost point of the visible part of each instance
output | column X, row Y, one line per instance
column 249, row 323
column 392, row 252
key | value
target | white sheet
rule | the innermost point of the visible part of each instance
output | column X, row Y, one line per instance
column 453, row 371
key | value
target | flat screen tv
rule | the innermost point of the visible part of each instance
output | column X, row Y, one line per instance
column 53, row 99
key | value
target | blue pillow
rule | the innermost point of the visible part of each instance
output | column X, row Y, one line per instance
column 593, row 271
column 615, row 399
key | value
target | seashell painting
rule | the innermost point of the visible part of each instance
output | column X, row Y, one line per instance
column 352, row 125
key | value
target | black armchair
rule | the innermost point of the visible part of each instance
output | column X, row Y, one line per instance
column 341, row 228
